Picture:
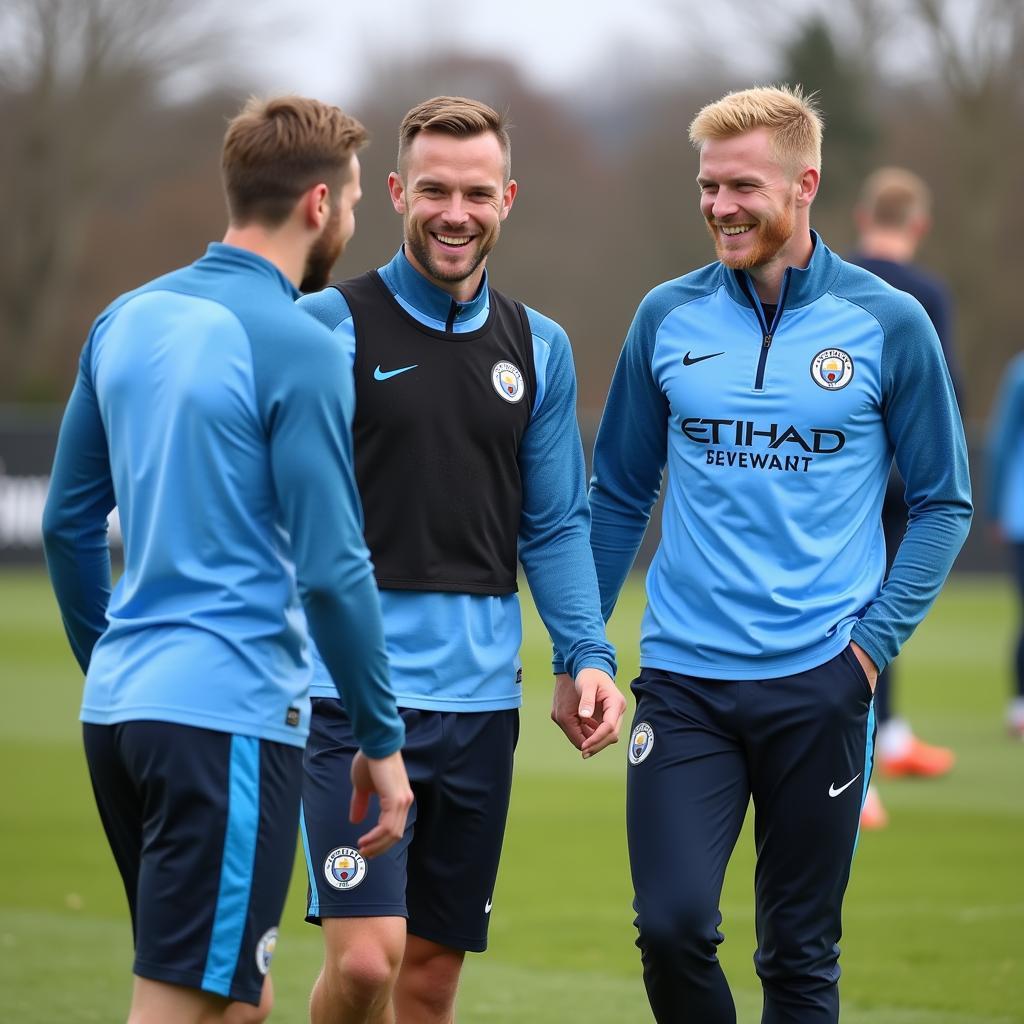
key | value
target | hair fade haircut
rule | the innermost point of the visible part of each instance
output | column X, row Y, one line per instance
column 277, row 149
column 459, row 117
column 891, row 197
column 793, row 120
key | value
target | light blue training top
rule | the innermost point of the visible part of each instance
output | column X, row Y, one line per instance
column 217, row 418
column 778, row 438
column 1005, row 503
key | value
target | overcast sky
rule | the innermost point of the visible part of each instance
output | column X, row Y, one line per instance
column 332, row 49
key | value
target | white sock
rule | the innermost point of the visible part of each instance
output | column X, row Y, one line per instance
column 894, row 738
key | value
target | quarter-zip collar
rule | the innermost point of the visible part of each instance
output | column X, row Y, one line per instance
column 429, row 302
column 800, row 286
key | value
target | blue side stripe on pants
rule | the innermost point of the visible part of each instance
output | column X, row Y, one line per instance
column 237, row 865
column 313, row 910
column 869, row 756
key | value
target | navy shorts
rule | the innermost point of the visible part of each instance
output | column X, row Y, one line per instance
column 441, row 874
column 202, row 825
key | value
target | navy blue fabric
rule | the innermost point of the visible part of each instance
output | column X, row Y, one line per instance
column 202, row 827
column 1018, row 560
column 790, row 743
column 441, row 874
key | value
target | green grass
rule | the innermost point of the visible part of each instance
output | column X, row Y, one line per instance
column 934, row 915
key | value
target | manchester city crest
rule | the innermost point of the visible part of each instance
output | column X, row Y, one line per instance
column 344, row 868
column 508, row 381
column 832, row 369
column 641, row 743
column 265, row 950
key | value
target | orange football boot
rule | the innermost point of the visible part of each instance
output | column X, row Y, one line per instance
column 873, row 815
column 917, row 758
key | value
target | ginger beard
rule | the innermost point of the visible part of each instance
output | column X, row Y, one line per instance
column 767, row 237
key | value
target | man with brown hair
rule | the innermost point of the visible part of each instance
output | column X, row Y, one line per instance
column 777, row 384
column 468, row 457
column 893, row 217
column 215, row 416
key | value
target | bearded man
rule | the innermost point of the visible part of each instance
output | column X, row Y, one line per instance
column 778, row 384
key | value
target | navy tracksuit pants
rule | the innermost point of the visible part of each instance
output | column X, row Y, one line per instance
column 801, row 747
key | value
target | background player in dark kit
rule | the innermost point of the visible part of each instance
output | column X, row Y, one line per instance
column 215, row 415
column 893, row 217
column 467, row 456
column 777, row 384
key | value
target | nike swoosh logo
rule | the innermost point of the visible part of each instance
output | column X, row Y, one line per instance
column 380, row 374
column 689, row 360
column 487, row 907
column 832, row 791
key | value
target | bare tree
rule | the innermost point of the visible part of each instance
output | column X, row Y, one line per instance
column 74, row 73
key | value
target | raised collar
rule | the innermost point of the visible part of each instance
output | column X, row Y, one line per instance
column 425, row 297
column 800, row 285
column 231, row 256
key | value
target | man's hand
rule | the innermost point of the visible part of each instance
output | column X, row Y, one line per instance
column 386, row 777
column 870, row 669
column 588, row 711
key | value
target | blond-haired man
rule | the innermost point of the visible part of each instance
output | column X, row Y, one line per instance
column 777, row 384
column 468, row 458
column 215, row 416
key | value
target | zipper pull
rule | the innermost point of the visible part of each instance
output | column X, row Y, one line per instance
column 767, row 341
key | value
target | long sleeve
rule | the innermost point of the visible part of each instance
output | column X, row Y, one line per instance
column 308, row 401
column 1005, row 440
column 81, row 497
column 923, row 424
column 629, row 457
column 554, row 543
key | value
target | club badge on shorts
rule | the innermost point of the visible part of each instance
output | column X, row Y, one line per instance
column 508, row 381
column 641, row 743
column 344, row 868
column 832, row 369
column 265, row 950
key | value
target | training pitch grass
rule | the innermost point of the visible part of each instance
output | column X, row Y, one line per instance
column 934, row 914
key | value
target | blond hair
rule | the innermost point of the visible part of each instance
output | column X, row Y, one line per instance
column 459, row 117
column 277, row 149
column 891, row 197
column 792, row 119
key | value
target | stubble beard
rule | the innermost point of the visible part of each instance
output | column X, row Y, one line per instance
column 417, row 239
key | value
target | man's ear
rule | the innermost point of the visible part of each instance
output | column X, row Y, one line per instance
column 396, row 188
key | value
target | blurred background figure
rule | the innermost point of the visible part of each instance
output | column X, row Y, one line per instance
column 1005, row 506
column 893, row 216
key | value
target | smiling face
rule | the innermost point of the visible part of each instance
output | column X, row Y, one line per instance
column 452, row 195
column 755, row 209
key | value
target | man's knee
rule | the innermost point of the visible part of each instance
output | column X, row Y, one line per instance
column 679, row 931
column 362, row 958
column 429, row 979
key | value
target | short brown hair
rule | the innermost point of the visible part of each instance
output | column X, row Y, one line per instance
column 277, row 149
column 891, row 197
column 793, row 120
column 457, row 116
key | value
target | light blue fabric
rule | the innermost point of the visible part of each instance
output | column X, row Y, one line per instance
column 237, row 865
column 451, row 651
column 217, row 418
column 1005, row 503
column 772, row 553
